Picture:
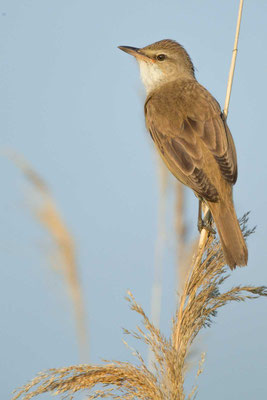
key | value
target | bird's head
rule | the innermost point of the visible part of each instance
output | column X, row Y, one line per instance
column 161, row 62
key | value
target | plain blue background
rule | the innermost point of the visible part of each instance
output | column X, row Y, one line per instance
column 72, row 105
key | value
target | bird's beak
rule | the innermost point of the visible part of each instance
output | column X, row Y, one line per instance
column 136, row 52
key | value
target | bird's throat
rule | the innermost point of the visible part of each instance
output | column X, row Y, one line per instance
column 151, row 75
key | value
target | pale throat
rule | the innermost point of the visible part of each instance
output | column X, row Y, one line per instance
column 151, row 75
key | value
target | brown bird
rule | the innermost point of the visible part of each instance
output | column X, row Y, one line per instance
column 192, row 137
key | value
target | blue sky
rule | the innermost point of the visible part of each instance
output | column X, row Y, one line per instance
column 72, row 105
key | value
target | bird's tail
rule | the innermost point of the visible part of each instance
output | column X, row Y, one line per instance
column 233, row 244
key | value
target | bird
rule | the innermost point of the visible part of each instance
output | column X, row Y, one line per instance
column 192, row 137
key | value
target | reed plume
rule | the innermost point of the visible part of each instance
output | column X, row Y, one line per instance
column 199, row 302
column 47, row 213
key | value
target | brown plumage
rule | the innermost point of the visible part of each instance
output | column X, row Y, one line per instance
column 192, row 137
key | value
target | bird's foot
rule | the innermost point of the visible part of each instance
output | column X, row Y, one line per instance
column 205, row 225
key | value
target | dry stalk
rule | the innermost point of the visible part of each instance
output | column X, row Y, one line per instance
column 184, row 252
column 204, row 233
column 185, row 249
column 159, row 250
column 233, row 62
column 48, row 215
column 181, row 230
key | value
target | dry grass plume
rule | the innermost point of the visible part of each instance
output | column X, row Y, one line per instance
column 199, row 303
column 64, row 254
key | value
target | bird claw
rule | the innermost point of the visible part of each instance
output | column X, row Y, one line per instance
column 205, row 225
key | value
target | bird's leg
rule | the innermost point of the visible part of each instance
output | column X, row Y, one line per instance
column 206, row 223
column 199, row 218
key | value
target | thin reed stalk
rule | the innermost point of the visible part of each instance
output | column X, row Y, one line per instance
column 156, row 293
column 204, row 233
column 233, row 61
column 185, row 248
column 181, row 230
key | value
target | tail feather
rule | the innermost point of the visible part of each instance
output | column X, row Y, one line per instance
column 233, row 243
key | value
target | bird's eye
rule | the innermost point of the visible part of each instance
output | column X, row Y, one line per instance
column 161, row 57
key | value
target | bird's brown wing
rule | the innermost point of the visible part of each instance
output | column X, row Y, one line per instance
column 187, row 127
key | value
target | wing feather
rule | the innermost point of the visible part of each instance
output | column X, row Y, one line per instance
column 195, row 115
